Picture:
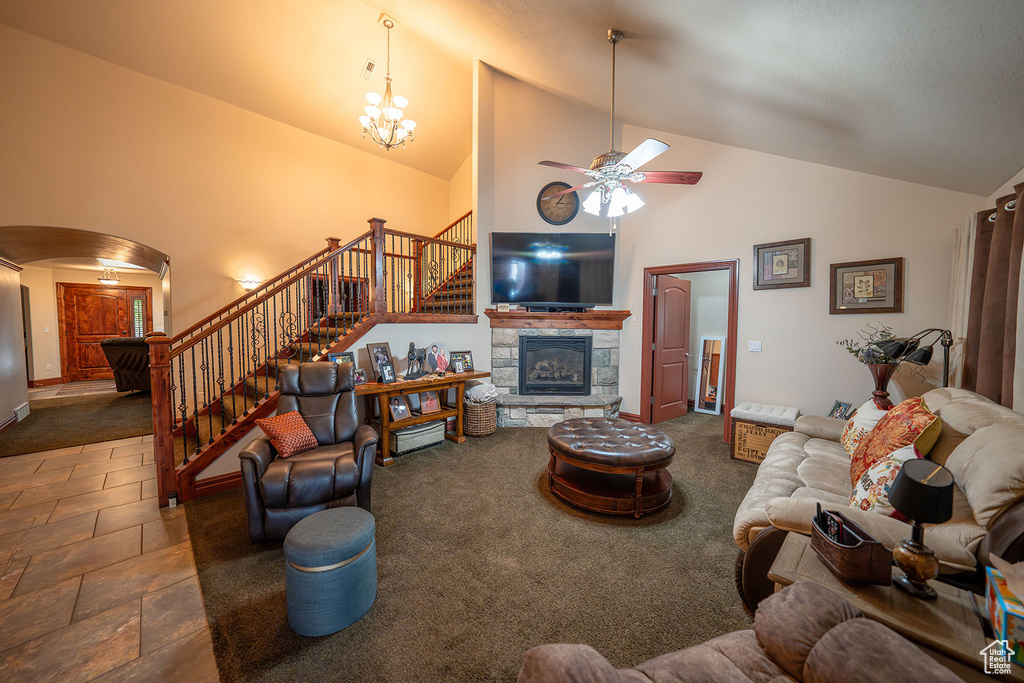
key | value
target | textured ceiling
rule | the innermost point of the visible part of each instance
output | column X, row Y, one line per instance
column 928, row 91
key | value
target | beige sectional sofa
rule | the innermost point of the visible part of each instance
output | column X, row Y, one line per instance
column 982, row 444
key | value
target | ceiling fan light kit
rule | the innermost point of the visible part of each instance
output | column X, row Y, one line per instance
column 613, row 168
column 383, row 121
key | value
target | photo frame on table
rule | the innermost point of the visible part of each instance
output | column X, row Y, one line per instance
column 387, row 373
column 343, row 357
column 429, row 402
column 463, row 359
column 399, row 407
column 781, row 265
column 438, row 358
column 379, row 352
column 841, row 410
column 360, row 375
column 874, row 286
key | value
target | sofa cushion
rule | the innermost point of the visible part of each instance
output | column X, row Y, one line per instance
column 776, row 476
column 820, row 427
column 884, row 652
column 825, row 474
column 789, row 624
column 871, row 494
column 860, row 425
column 948, row 441
column 288, row 433
column 731, row 657
column 908, row 423
column 989, row 467
column 966, row 411
column 833, row 450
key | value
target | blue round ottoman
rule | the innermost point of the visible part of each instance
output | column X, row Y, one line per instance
column 330, row 570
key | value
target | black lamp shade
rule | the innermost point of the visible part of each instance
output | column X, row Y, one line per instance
column 922, row 356
column 895, row 347
column 923, row 492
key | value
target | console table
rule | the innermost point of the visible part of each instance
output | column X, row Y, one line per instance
column 948, row 628
column 381, row 394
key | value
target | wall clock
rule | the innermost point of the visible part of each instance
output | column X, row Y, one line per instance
column 557, row 210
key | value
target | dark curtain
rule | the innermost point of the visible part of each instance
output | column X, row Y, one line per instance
column 992, row 319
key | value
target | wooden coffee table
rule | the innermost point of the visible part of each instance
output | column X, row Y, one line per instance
column 610, row 465
column 948, row 628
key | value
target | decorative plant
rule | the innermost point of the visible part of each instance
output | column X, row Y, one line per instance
column 865, row 349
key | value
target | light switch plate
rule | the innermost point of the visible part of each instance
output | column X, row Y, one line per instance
column 755, row 346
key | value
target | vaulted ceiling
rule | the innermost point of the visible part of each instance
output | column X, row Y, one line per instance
column 927, row 91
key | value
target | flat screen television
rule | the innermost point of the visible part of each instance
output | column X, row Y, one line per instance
column 570, row 270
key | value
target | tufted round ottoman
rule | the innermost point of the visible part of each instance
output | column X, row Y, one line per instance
column 330, row 570
column 610, row 466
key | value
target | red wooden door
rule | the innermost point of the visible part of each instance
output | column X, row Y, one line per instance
column 88, row 314
column 671, row 348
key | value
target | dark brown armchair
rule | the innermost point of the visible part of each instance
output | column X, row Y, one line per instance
column 280, row 492
column 128, row 357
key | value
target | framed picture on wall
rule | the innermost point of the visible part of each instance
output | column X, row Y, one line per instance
column 866, row 287
column 780, row 265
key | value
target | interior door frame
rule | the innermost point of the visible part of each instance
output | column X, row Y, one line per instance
column 62, row 323
column 647, row 356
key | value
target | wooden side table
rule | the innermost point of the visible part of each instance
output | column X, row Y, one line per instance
column 948, row 628
column 381, row 394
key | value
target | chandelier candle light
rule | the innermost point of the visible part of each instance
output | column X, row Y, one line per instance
column 383, row 119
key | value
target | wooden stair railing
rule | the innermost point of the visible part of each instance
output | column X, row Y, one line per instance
column 212, row 381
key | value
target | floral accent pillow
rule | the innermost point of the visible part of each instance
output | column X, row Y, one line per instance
column 871, row 493
column 860, row 425
column 909, row 423
column 288, row 433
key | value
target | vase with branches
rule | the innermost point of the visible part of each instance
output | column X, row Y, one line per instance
column 881, row 366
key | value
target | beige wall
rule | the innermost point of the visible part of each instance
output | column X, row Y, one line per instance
column 225, row 192
column 13, row 382
column 460, row 190
column 44, row 333
column 744, row 198
column 1006, row 188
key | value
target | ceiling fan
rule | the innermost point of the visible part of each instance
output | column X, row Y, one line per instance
column 610, row 170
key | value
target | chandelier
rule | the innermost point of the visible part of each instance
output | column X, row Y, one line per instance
column 383, row 119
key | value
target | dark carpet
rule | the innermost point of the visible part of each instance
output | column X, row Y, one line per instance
column 478, row 562
column 73, row 421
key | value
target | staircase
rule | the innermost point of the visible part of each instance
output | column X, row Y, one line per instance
column 211, row 382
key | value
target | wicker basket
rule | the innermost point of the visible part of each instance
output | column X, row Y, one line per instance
column 479, row 419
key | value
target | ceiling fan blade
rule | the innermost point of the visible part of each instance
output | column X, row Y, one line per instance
column 644, row 152
column 567, row 167
column 571, row 189
column 672, row 177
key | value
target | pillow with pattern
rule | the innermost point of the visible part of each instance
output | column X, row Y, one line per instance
column 860, row 425
column 871, row 493
column 288, row 433
column 909, row 423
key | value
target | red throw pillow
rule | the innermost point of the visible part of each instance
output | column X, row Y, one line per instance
column 288, row 433
column 909, row 423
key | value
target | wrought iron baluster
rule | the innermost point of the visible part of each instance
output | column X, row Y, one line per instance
column 266, row 352
column 220, row 380
column 207, row 385
column 231, row 366
column 195, row 400
column 278, row 348
column 243, row 362
column 183, row 406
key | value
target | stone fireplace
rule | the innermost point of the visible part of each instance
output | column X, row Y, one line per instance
column 551, row 400
column 554, row 366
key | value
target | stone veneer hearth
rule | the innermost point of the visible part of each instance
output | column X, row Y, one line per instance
column 544, row 411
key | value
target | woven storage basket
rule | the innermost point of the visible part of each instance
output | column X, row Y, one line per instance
column 479, row 419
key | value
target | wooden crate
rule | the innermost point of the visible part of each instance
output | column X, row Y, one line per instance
column 750, row 440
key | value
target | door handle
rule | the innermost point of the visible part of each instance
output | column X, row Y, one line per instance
column 687, row 354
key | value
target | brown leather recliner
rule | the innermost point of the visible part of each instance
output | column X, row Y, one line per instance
column 279, row 492
column 128, row 357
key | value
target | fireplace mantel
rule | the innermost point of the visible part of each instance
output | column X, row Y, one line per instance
column 585, row 320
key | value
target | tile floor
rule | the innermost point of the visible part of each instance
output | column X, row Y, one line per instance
column 96, row 581
column 38, row 393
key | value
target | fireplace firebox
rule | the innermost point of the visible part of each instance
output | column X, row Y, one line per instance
column 557, row 366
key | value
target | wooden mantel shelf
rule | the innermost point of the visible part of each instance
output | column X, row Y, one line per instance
column 587, row 320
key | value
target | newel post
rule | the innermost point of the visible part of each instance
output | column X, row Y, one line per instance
column 334, row 302
column 378, row 302
column 160, row 394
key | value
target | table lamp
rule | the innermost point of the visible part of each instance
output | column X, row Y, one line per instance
column 923, row 492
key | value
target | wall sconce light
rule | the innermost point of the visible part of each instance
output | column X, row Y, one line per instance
column 249, row 285
column 109, row 277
